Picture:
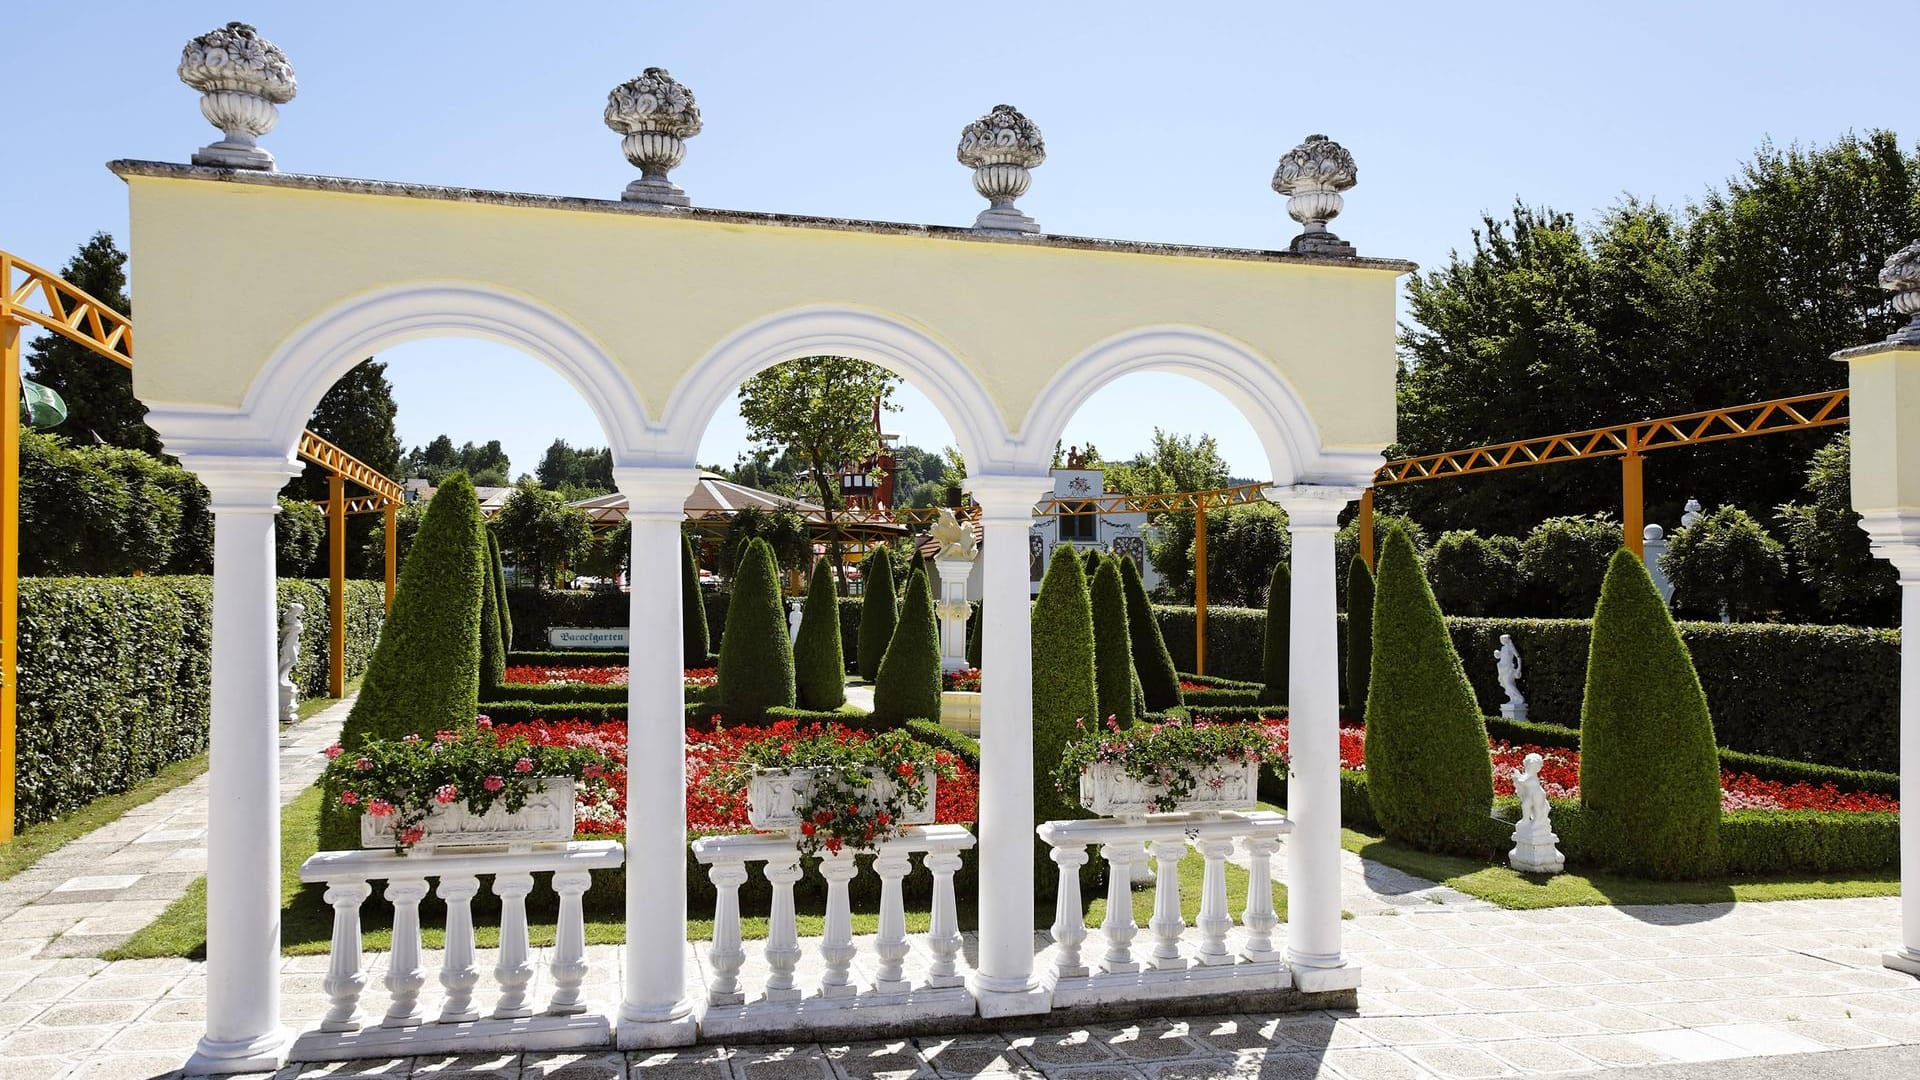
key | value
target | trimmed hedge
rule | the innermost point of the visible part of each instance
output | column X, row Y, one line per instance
column 568, row 658
column 819, row 663
column 1064, row 680
column 695, row 640
column 909, row 684
column 1112, row 645
column 879, row 611
column 122, row 668
column 933, row 734
column 493, row 648
column 1357, row 662
column 533, row 611
column 497, row 569
column 1275, row 662
column 1159, row 678
column 756, row 656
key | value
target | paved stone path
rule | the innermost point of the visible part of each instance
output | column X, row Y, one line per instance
column 1454, row 988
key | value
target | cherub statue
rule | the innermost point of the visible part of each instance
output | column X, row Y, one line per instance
column 1507, row 666
column 956, row 540
column 1534, row 810
column 1533, row 838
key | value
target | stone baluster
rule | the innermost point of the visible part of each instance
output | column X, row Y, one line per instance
column 1119, row 927
column 458, row 975
column 569, row 965
column 783, row 937
column 404, row 974
column 1167, row 923
column 836, row 945
column 1259, row 917
column 345, row 979
column 1214, row 922
column 943, row 931
column 726, row 956
column 892, row 865
column 1069, row 924
column 515, row 969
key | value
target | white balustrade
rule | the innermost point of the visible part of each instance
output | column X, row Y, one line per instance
column 566, row 1020
column 1211, row 959
column 844, row 982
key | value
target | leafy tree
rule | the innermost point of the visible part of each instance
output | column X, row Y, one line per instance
column 1649, row 767
column 98, row 392
column 1564, row 560
column 756, row 656
column 821, row 409
column 579, row 472
column 1065, row 684
column 1474, row 574
column 909, row 684
column 783, row 529
column 1159, row 680
column 694, row 644
column 540, row 532
column 1429, row 767
column 1112, row 643
column 1244, row 544
column 1725, row 562
column 487, row 463
column 878, row 612
column 1829, row 548
column 819, row 664
column 406, row 521
column 1359, row 634
column 299, row 532
column 1275, row 663
column 356, row 414
column 1171, row 463
column 94, row 510
column 1346, row 542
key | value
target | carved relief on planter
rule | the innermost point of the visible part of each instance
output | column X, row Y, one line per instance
column 774, row 794
column 1107, row 790
column 546, row 818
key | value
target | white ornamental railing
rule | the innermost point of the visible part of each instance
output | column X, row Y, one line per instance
column 1172, row 961
column 731, row 1008
column 349, row 876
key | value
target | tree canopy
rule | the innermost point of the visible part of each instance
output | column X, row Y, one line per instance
column 487, row 464
column 98, row 392
column 576, row 471
column 540, row 533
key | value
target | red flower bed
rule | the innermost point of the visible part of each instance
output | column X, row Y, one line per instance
column 616, row 675
column 964, row 679
column 1560, row 775
column 602, row 798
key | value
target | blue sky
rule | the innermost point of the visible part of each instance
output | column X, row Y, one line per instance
column 1162, row 123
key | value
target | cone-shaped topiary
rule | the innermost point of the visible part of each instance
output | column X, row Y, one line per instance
column 1064, row 681
column 1649, row 768
column 695, row 646
column 973, row 635
column 1274, row 661
column 1429, row 769
column 756, row 657
column 499, row 573
column 1359, row 635
column 878, row 612
column 819, row 669
column 493, row 649
column 1159, row 681
column 909, row 684
column 1112, row 645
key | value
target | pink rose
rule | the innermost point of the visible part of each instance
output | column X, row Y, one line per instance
column 446, row 794
column 483, row 721
column 411, row 738
column 523, row 766
column 593, row 772
column 379, row 807
column 348, row 798
column 335, row 751
column 493, row 783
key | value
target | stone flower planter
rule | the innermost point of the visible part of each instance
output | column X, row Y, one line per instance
column 773, row 794
column 547, row 818
column 1106, row 790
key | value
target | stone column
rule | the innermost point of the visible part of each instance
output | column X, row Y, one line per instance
column 1003, row 982
column 953, row 612
column 1313, row 733
column 243, row 1032
column 654, row 1010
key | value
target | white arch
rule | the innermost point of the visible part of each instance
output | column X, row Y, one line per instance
column 873, row 336
column 1286, row 429
column 314, row 357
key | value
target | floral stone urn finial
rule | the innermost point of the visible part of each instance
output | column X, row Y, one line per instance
column 241, row 76
column 657, row 115
column 1901, row 277
column 1312, row 176
column 1000, row 148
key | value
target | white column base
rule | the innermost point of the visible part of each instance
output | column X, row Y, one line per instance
column 1907, row 960
column 1019, row 1001
column 264, row 1054
column 649, row 1034
column 1320, row 980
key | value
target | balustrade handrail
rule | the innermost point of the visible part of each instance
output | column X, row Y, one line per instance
column 727, row 857
column 347, row 874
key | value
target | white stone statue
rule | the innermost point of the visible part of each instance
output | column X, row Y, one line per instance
column 956, row 539
column 1534, row 844
column 1507, row 664
column 793, row 620
column 1691, row 513
column 291, row 624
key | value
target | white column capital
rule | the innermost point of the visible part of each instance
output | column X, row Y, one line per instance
column 1009, row 495
column 242, row 484
column 656, row 491
column 1896, row 538
column 1313, row 506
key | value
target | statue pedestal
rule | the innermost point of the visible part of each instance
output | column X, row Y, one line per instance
column 1514, row 710
column 953, row 610
column 1535, row 851
column 287, row 701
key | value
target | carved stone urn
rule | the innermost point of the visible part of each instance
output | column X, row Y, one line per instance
column 657, row 115
column 1001, row 147
column 1312, row 176
column 1901, row 277
column 241, row 76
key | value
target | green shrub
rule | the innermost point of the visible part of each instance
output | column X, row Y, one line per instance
column 819, row 667
column 1112, row 645
column 1236, row 640
column 535, row 611
column 1649, row 770
column 1799, row 842
column 523, row 711
column 756, row 656
column 694, row 643
column 1725, row 562
column 425, row 675
column 909, row 684
column 1346, row 543
column 1065, row 683
column 975, row 620
column 1564, row 559
column 1474, row 574
column 1359, row 635
column 1430, row 772
column 299, row 530
column 493, row 650
column 1159, row 679
column 931, row 733
column 499, row 573
column 1275, row 660
column 1209, row 698
column 1831, row 553
column 878, row 612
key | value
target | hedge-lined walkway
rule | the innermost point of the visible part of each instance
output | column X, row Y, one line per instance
column 96, row 892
